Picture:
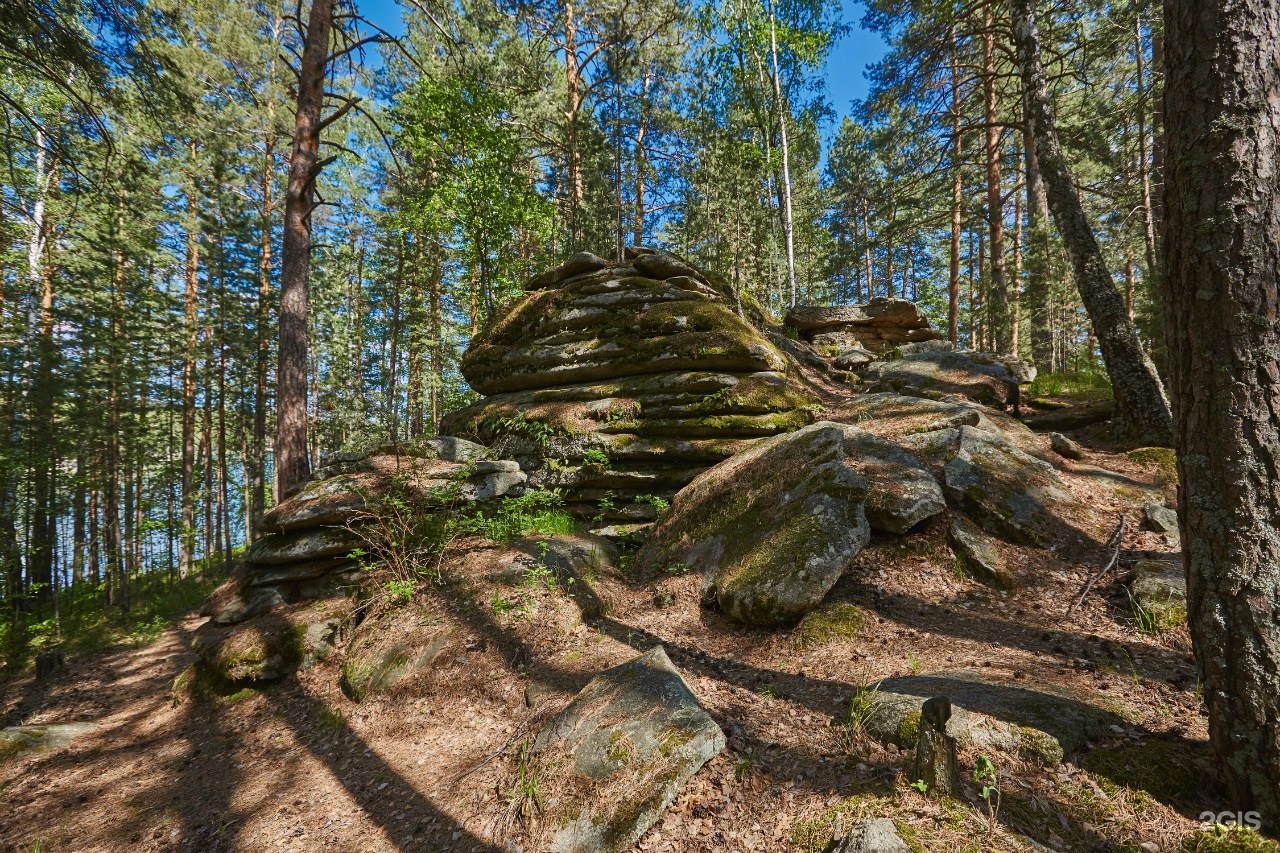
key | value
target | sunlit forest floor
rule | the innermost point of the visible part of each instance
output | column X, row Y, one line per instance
column 299, row 766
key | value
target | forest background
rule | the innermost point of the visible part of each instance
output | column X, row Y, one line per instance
column 466, row 147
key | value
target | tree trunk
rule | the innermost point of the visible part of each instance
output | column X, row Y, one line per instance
column 1222, row 286
column 191, row 318
column 957, row 197
column 573, row 105
column 435, row 283
column 1141, row 410
column 788, row 223
column 415, row 335
column 642, row 162
column 1037, row 258
column 258, row 485
column 999, row 328
column 293, row 465
column 256, row 506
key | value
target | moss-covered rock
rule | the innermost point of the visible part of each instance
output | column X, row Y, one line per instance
column 1007, row 491
column 1042, row 724
column 978, row 557
column 262, row 649
column 643, row 369
column 770, row 530
column 985, row 378
column 15, row 740
column 1155, row 766
column 615, row 758
column 388, row 649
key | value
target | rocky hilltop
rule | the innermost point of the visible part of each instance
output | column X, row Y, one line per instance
column 779, row 506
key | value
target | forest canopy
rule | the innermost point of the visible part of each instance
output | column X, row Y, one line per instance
column 147, row 153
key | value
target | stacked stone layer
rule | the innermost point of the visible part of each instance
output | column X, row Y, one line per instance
column 618, row 380
column 303, row 551
column 879, row 325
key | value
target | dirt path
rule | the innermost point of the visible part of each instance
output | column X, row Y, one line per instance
column 269, row 771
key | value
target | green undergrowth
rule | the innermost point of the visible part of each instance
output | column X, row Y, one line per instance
column 1229, row 839
column 84, row 623
column 1152, row 766
column 405, row 541
column 1086, row 386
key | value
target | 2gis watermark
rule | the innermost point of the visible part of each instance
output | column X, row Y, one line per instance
column 1249, row 820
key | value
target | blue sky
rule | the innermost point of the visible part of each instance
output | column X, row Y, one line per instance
column 844, row 72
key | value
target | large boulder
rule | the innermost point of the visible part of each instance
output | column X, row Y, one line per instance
column 618, row 380
column 991, row 380
column 901, row 492
column 620, row 752
column 771, row 530
column 1041, row 723
column 389, row 649
column 1007, row 491
column 897, row 415
column 879, row 325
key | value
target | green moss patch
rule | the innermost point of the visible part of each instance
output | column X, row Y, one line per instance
column 1153, row 767
column 828, row 623
column 1229, row 839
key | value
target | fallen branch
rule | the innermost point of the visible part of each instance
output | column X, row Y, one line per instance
column 1117, row 538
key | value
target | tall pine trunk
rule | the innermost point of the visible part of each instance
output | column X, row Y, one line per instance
column 788, row 221
column 1222, row 286
column 1000, row 329
column 1141, row 409
column 1037, row 258
column 293, row 464
column 191, row 319
column 957, row 196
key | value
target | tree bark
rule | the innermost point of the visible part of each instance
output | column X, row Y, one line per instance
column 1221, row 253
column 573, row 105
column 1141, row 411
column 191, row 320
column 293, row 465
column 788, row 223
column 1037, row 258
column 999, row 329
column 957, row 197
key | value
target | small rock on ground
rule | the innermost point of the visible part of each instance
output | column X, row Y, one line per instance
column 877, row 835
column 1065, row 447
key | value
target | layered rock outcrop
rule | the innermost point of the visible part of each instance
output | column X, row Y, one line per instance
column 306, row 541
column 877, row 326
column 612, row 381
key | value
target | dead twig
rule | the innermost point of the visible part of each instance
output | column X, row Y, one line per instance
column 1117, row 538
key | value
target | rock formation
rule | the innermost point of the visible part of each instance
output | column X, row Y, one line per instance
column 617, row 380
column 306, row 542
column 628, row 742
column 879, row 325
column 1043, row 725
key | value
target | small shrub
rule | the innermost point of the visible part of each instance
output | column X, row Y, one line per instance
column 596, row 458
column 660, row 505
column 399, row 591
